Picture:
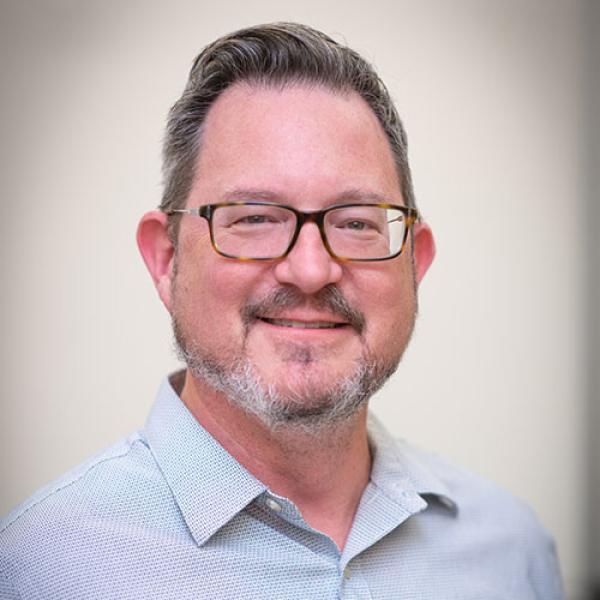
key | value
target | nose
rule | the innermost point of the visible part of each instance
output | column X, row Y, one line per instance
column 308, row 266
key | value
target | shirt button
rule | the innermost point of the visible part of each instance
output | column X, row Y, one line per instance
column 275, row 506
column 347, row 573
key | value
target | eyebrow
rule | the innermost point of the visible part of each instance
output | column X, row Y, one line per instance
column 240, row 194
column 357, row 195
column 360, row 195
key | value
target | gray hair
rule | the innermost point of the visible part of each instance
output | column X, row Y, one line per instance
column 275, row 54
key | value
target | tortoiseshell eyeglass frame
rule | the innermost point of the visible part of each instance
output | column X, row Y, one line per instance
column 317, row 216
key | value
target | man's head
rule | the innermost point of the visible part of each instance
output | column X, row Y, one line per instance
column 283, row 114
column 271, row 55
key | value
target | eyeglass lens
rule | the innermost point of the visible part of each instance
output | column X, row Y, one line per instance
column 262, row 231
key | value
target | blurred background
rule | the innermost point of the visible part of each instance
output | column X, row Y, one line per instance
column 499, row 100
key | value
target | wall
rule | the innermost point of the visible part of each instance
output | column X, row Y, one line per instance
column 591, row 167
column 499, row 374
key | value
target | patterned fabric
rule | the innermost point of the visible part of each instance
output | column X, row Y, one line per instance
column 168, row 513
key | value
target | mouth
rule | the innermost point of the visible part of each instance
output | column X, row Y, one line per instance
column 302, row 324
column 288, row 309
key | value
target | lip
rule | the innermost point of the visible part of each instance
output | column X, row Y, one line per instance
column 303, row 324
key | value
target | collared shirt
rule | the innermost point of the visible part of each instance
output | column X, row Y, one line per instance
column 169, row 513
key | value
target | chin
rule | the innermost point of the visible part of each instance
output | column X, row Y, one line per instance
column 314, row 376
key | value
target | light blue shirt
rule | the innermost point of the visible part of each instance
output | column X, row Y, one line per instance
column 169, row 513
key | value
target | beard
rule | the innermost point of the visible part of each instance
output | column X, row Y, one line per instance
column 303, row 404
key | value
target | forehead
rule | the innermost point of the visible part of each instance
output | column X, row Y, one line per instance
column 294, row 141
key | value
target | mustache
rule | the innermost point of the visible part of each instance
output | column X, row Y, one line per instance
column 330, row 298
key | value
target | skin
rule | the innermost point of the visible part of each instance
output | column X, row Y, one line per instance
column 309, row 148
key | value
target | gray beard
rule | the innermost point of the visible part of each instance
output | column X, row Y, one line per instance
column 309, row 410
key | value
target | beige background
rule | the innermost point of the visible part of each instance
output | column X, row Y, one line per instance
column 498, row 101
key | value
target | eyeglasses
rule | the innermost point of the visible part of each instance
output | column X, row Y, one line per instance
column 266, row 231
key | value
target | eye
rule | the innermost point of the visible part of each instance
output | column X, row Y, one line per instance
column 255, row 220
column 244, row 219
column 356, row 225
column 357, row 220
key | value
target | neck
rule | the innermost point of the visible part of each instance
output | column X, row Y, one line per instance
column 324, row 474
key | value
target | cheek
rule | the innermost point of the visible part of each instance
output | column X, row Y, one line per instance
column 390, row 312
column 207, row 300
column 210, row 292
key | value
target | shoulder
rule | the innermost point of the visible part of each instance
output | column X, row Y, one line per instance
column 119, row 487
column 464, row 505
column 110, row 467
column 476, row 496
column 496, row 523
column 105, row 509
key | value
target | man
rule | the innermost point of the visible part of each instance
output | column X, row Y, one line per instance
column 288, row 251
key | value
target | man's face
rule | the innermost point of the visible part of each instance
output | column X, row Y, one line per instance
column 308, row 148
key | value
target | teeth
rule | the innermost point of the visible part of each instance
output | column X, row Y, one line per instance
column 304, row 324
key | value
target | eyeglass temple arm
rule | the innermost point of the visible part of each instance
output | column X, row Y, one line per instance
column 184, row 211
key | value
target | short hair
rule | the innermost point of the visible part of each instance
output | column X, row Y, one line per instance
column 275, row 54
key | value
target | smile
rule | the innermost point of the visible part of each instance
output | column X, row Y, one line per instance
column 303, row 324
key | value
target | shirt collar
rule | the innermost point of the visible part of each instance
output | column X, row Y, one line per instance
column 398, row 468
column 211, row 487
column 208, row 484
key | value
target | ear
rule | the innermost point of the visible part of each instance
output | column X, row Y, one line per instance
column 423, row 249
column 158, row 252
